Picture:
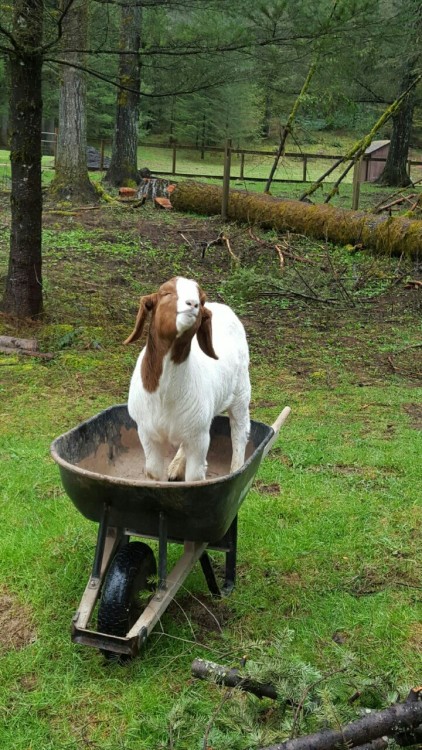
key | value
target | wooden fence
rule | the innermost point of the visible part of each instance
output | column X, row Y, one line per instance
column 225, row 170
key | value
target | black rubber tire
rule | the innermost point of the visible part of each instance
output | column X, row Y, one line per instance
column 129, row 574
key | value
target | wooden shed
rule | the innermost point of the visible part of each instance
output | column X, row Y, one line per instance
column 374, row 161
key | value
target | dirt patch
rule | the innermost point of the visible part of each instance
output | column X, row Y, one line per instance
column 268, row 489
column 415, row 413
column 203, row 614
column 415, row 637
column 16, row 623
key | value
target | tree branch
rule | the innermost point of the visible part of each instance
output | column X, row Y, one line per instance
column 391, row 722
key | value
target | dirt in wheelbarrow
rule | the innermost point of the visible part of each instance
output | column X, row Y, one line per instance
column 127, row 459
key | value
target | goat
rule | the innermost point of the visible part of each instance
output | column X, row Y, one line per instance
column 193, row 367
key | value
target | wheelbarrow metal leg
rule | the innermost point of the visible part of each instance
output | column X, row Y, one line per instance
column 99, row 549
column 231, row 558
column 162, row 552
column 209, row 574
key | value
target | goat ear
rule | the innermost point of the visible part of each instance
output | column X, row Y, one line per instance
column 145, row 306
column 204, row 333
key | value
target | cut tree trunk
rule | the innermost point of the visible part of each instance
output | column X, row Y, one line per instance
column 23, row 294
column 151, row 188
column 385, row 235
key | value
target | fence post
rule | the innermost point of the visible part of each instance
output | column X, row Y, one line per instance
column 173, row 164
column 226, row 178
column 305, row 164
column 56, row 135
column 242, row 165
column 356, row 185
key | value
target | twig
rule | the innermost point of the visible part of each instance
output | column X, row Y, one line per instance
column 394, row 203
column 397, row 192
column 236, row 260
column 338, row 279
column 288, row 292
column 280, row 255
column 287, row 253
column 227, row 695
column 187, row 241
column 413, row 282
column 405, row 348
column 305, row 694
column 393, row 367
column 218, row 241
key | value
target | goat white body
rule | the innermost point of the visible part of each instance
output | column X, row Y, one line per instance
column 189, row 395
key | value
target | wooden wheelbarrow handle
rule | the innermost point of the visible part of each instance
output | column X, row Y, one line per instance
column 276, row 426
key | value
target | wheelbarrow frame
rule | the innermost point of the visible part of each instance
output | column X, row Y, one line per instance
column 111, row 537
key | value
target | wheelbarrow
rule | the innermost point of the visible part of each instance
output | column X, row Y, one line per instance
column 102, row 469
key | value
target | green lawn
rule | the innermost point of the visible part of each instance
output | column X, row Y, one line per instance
column 328, row 595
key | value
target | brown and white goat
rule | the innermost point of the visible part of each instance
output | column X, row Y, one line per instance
column 193, row 367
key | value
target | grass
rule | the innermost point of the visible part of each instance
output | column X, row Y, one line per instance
column 328, row 592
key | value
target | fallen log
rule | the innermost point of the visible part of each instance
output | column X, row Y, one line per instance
column 387, row 235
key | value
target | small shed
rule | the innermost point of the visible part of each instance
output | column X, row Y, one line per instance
column 374, row 161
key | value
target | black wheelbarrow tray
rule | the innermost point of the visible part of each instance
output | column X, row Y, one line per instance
column 102, row 469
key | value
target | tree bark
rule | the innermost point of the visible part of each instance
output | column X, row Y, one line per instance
column 395, row 171
column 383, row 234
column 71, row 180
column 123, row 169
column 23, row 294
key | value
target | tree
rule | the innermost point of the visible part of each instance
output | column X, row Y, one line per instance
column 71, row 176
column 23, row 294
column 395, row 171
column 124, row 159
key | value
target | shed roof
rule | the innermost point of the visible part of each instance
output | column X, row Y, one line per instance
column 375, row 145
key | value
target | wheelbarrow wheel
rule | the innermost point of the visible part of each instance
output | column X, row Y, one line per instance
column 123, row 599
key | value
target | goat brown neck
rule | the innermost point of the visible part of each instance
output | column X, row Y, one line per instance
column 156, row 349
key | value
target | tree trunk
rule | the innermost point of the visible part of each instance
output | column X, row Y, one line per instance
column 23, row 294
column 381, row 233
column 395, row 171
column 123, row 169
column 71, row 180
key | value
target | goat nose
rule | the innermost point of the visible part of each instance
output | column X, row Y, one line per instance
column 192, row 303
